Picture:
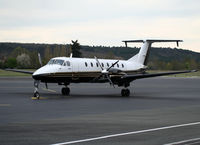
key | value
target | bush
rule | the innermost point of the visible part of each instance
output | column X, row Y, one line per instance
column 11, row 62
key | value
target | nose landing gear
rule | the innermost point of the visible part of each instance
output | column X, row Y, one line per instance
column 36, row 93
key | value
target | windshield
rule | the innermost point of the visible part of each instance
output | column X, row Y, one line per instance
column 56, row 61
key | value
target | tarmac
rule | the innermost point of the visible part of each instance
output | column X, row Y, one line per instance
column 163, row 110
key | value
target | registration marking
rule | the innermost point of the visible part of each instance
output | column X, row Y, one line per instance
column 127, row 133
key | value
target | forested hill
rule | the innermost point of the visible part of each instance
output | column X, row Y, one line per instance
column 160, row 58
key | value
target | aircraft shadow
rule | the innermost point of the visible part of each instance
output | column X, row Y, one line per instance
column 132, row 96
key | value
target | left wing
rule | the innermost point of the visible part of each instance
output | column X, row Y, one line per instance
column 130, row 78
column 20, row 71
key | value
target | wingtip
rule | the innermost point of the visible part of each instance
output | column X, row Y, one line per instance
column 194, row 70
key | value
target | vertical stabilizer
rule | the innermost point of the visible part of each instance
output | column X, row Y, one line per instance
column 144, row 53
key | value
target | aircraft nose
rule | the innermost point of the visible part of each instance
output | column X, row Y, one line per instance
column 36, row 75
column 43, row 72
column 39, row 73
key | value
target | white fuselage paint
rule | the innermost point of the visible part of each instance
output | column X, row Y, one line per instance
column 78, row 65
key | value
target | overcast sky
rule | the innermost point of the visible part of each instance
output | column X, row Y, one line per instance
column 100, row 22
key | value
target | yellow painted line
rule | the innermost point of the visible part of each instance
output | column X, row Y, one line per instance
column 5, row 105
column 41, row 98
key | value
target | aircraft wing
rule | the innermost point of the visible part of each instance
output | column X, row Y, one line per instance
column 20, row 71
column 130, row 78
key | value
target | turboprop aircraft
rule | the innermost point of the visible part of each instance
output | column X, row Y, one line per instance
column 66, row 70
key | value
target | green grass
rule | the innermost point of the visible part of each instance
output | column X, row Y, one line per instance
column 193, row 74
column 4, row 73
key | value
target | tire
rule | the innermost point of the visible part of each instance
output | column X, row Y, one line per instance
column 125, row 92
column 37, row 95
column 65, row 91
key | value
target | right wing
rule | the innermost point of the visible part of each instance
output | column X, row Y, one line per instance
column 130, row 78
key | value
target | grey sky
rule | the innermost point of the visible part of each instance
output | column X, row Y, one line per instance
column 100, row 22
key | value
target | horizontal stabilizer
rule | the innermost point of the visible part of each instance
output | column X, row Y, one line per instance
column 151, row 41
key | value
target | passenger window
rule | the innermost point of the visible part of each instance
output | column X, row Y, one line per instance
column 86, row 64
column 108, row 64
column 68, row 63
column 91, row 64
column 97, row 64
column 102, row 64
column 117, row 65
column 122, row 65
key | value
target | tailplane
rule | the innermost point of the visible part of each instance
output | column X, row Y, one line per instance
column 143, row 54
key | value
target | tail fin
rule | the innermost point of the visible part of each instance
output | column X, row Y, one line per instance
column 143, row 54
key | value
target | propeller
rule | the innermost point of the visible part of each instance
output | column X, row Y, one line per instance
column 40, row 60
column 105, row 72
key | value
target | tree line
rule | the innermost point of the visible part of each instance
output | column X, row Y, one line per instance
column 23, row 55
column 24, row 58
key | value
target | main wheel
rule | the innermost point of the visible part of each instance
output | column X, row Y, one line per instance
column 65, row 91
column 125, row 92
column 37, row 95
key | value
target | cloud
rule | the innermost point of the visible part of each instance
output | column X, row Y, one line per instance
column 99, row 22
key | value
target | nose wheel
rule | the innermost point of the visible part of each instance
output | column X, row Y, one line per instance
column 125, row 92
column 65, row 91
column 36, row 93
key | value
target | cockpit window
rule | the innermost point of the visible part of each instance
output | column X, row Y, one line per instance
column 56, row 61
column 50, row 62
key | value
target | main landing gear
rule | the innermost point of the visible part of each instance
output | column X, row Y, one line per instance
column 65, row 91
column 125, row 92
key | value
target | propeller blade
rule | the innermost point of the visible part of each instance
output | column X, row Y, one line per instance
column 98, row 62
column 111, row 83
column 71, row 54
column 46, row 85
column 112, row 65
column 40, row 60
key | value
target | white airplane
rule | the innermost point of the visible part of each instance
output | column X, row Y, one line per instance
column 66, row 70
